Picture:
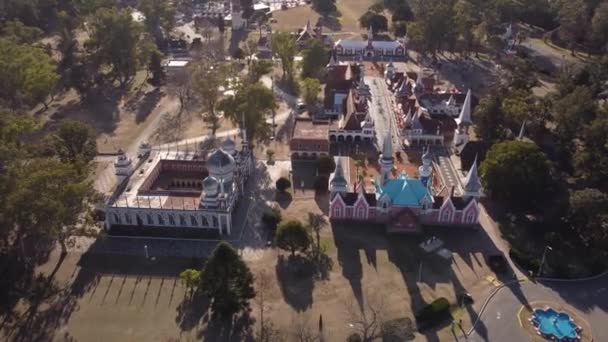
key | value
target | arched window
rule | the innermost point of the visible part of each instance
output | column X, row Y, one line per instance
column 204, row 221
column 182, row 220
column 150, row 221
column 337, row 212
column 214, row 221
column 471, row 218
column 117, row 218
column 193, row 221
column 445, row 216
column 361, row 212
column 171, row 220
column 161, row 221
column 128, row 218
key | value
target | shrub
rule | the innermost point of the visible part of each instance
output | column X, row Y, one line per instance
column 525, row 261
column 321, row 183
column 272, row 219
column 326, row 165
column 283, row 184
column 354, row 337
column 435, row 312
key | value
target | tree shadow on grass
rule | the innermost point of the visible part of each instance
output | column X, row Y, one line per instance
column 296, row 280
column 238, row 328
column 284, row 199
column 147, row 104
column 191, row 311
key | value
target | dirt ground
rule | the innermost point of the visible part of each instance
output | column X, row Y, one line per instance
column 347, row 21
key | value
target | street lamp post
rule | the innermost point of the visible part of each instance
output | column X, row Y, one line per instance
column 542, row 261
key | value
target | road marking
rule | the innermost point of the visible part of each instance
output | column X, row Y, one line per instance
column 519, row 316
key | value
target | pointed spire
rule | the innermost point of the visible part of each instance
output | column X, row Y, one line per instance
column 451, row 101
column 387, row 147
column 408, row 118
column 332, row 60
column 427, row 157
column 465, row 113
column 472, row 184
column 522, row 131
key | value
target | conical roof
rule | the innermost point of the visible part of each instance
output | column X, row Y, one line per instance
column 387, row 147
column 338, row 178
column 465, row 113
column 472, row 184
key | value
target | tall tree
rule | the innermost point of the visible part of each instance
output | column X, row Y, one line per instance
column 317, row 222
column 207, row 79
column 591, row 159
column 588, row 215
column 310, row 91
column 251, row 103
column 572, row 111
column 19, row 33
column 292, row 236
column 75, row 142
column 113, row 41
column 376, row 21
column 227, row 281
column 159, row 14
column 489, row 118
column 284, row 46
column 28, row 75
column 465, row 21
column 599, row 28
column 51, row 199
column 314, row 60
column 517, row 173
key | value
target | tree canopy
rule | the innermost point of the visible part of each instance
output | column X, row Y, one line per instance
column 310, row 88
column 588, row 215
column 75, row 142
column 227, row 281
column 517, row 173
column 292, row 236
column 28, row 74
column 314, row 60
column 113, row 42
column 284, row 46
column 250, row 103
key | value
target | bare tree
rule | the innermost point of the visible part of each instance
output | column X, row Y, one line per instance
column 179, row 84
column 303, row 331
column 367, row 319
column 263, row 287
column 317, row 222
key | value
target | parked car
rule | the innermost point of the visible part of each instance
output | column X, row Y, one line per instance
column 300, row 105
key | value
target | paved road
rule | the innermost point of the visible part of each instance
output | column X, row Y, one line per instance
column 498, row 322
column 382, row 111
column 586, row 298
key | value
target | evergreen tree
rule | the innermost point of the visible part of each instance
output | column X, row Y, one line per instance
column 227, row 281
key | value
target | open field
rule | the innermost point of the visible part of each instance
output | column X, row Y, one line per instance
column 347, row 20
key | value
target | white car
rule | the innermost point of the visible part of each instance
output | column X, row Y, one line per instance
column 300, row 105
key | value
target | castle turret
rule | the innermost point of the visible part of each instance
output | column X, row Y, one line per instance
column 464, row 121
column 472, row 184
column 123, row 166
column 426, row 169
column 390, row 70
column 386, row 161
column 338, row 183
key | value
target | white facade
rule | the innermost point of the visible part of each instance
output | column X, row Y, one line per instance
column 202, row 203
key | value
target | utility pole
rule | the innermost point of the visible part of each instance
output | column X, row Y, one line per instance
column 542, row 262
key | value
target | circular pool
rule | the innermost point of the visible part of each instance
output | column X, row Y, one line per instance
column 555, row 325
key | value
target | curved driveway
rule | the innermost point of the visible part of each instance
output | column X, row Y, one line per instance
column 587, row 298
column 498, row 322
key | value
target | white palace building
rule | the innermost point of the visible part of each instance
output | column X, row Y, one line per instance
column 179, row 189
